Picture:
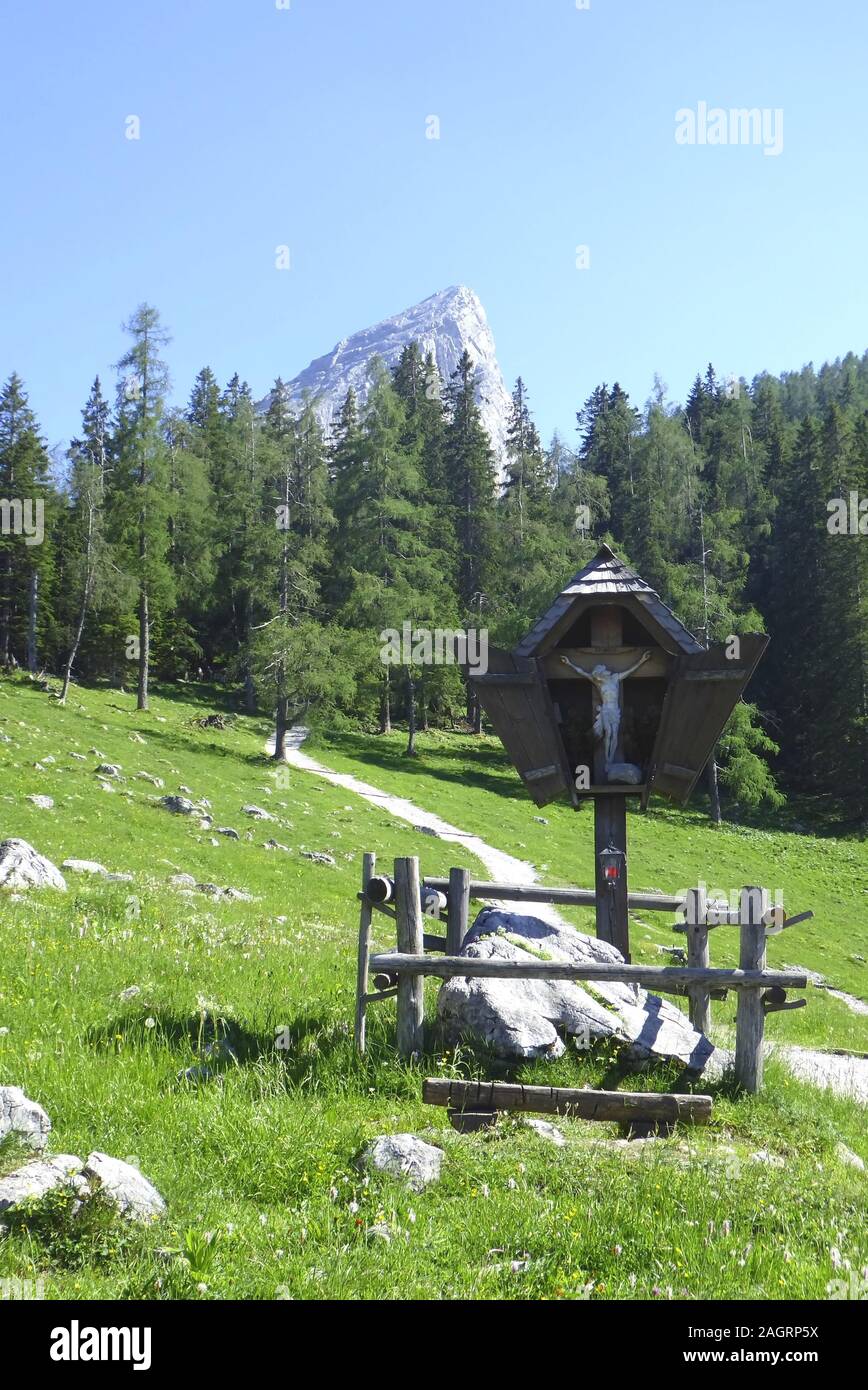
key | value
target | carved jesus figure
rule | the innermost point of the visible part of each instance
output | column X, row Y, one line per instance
column 607, row 721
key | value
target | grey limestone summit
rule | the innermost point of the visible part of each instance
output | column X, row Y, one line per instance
column 445, row 324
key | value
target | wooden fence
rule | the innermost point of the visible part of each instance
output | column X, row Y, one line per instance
column 400, row 974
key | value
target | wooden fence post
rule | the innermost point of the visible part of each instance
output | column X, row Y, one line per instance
column 696, row 906
column 411, row 988
column 750, row 1016
column 458, row 911
column 369, row 865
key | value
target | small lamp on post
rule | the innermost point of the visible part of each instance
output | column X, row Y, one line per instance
column 612, row 862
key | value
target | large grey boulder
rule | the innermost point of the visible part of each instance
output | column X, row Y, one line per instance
column 127, row 1188
column 21, row 866
column 23, row 1117
column 34, row 1180
column 520, row 1019
column 404, row 1156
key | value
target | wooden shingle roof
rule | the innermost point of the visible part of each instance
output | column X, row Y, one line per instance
column 607, row 577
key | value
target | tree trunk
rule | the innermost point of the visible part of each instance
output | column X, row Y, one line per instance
column 249, row 693
column 410, row 750
column 31, row 625
column 713, row 792
column 67, row 674
column 423, row 707
column 385, row 706
column 144, row 650
column 280, row 728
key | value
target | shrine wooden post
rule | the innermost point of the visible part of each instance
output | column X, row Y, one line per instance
column 610, row 811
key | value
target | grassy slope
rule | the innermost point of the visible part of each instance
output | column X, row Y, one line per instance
column 472, row 785
column 263, row 1155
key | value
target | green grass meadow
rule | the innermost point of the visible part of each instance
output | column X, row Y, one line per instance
column 257, row 1163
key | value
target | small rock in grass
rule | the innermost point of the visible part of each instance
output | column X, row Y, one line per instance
column 275, row 844
column 154, row 781
column 43, row 1175
column 127, row 1188
column 405, row 1156
column 182, row 881
column 178, row 805
column 228, row 832
column 108, row 770
column 22, row 867
column 546, row 1131
column 79, row 757
column 318, row 858
column 42, row 803
column 764, row 1156
column 257, row 813
column 22, row 1116
column 84, row 866
column 847, row 1156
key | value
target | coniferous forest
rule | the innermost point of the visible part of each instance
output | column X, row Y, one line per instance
column 224, row 543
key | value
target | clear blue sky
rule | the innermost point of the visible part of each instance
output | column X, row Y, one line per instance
column 306, row 126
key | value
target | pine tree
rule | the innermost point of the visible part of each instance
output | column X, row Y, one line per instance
column 139, row 495
column 26, row 507
column 87, row 569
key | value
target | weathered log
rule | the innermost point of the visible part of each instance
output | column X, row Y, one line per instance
column 616, row 1106
column 369, row 864
column 411, row 998
column 458, row 917
column 538, row 893
column 698, row 957
column 750, row 1015
column 655, row 977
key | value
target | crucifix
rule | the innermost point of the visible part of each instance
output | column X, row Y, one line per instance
column 607, row 720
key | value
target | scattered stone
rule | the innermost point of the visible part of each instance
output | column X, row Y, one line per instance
column 847, row 1156
column 426, row 830
column 132, row 992
column 108, row 770
column 127, row 1188
column 546, row 1131
column 154, row 781
column 49, row 759
column 257, row 813
column 96, row 753
column 79, row 757
column 764, row 1156
column 22, row 1116
column 318, row 858
column 179, row 805
column 137, row 738
column 182, row 881
column 541, row 820
column 4, row 738
column 405, row 1156
column 22, row 867
column 228, row 832
column 187, row 791
column 42, row 803
column 106, row 787
column 205, row 823
column 84, row 866
column 43, row 1175
column 275, row 844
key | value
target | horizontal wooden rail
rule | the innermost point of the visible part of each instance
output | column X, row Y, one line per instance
column 537, row 893
column 650, row 976
column 618, row 1106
